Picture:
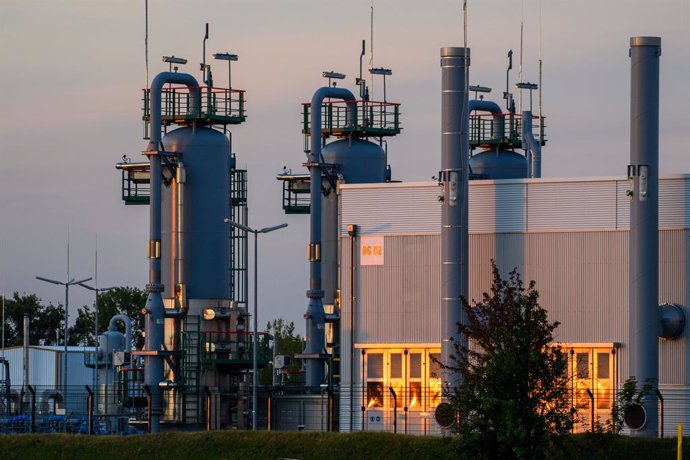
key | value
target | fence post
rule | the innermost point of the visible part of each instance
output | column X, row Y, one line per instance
column 89, row 408
column 591, row 398
column 270, row 400
column 147, row 390
column 395, row 409
column 208, row 408
column 33, row 408
column 661, row 413
column 680, row 441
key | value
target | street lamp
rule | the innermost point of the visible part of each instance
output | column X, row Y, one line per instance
column 67, row 284
column 97, row 290
column 255, row 379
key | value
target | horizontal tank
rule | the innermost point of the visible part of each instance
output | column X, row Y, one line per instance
column 361, row 162
column 499, row 164
column 205, row 154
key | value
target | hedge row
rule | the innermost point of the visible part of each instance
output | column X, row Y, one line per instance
column 304, row 446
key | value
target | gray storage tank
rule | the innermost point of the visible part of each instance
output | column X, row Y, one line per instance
column 195, row 239
column 499, row 164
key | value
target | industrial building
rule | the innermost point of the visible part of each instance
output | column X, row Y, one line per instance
column 569, row 235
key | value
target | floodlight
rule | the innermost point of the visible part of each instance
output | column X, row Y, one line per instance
column 380, row 71
column 174, row 60
column 334, row 75
column 480, row 89
column 226, row 57
column 526, row 85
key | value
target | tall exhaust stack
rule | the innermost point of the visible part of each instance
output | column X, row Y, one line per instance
column 454, row 176
column 643, row 173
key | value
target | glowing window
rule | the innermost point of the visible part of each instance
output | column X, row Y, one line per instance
column 582, row 365
column 375, row 366
column 396, row 365
column 374, row 394
column 415, row 365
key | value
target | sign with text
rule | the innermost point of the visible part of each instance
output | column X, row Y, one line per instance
column 371, row 250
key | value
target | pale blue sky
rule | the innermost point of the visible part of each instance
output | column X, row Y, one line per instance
column 71, row 73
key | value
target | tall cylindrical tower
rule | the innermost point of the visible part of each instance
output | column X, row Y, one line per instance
column 454, row 176
column 643, row 173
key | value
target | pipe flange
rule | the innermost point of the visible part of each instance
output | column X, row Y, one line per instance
column 315, row 293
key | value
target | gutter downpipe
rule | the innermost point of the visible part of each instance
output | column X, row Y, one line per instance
column 155, row 311
column 315, row 346
column 531, row 146
column 453, row 177
column 643, row 173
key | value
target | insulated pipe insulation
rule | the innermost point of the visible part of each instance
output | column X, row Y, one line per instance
column 155, row 317
column 454, row 177
column 315, row 317
column 643, row 173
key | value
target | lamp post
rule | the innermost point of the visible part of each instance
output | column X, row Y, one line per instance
column 255, row 357
column 67, row 284
column 97, row 290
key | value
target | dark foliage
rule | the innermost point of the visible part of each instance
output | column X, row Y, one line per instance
column 513, row 399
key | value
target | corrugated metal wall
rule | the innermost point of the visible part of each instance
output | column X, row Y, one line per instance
column 570, row 236
column 520, row 205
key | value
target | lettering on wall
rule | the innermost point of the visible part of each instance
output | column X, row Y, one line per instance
column 371, row 250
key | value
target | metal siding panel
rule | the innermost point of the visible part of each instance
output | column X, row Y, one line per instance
column 391, row 210
column 674, row 287
column 407, row 284
column 676, row 407
column 497, row 207
column 571, row 205
column 674, row 203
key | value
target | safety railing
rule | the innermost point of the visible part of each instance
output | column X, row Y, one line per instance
column 296, row 198
column 372, row 118
column 233, row 349
column 218, row 106
column 483, row 130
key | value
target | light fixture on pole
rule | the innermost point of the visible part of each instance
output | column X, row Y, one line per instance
column 97, row 290
column 479, row 89
column 174, row 60
column 67, row 284
column 230, row 58
column 331, row 75
column 384, row 72
column 255, row 356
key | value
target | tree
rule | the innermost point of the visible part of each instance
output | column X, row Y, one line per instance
column 288, row 343
column 122, row 300
column 45, row 325
column 513, row 398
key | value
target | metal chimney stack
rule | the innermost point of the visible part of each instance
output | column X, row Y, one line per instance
column 454, row 176
column 643, row 173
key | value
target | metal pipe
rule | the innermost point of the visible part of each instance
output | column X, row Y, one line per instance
column 530, row 145
column 33, row 407
column 454, row 208
column 353, row 236
column 26, row 351
column 154, row 303
column 643, row 172
column 499, row 119
column 314, row 365
column 112, row 326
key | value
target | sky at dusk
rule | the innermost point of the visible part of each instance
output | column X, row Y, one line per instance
column 70, row 107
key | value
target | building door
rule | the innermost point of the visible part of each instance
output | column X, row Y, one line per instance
column 592, row 378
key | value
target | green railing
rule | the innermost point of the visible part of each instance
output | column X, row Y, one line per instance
column 372, row 118
column 233, row 349
column 218, row 106
column 483, row 128
column 296, row 197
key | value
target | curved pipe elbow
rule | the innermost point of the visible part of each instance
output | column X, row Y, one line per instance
column 498, row 131
column 112, row 326
column 157, row 84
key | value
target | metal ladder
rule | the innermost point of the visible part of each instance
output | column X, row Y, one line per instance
column 191, row 370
